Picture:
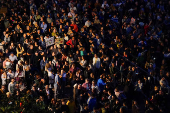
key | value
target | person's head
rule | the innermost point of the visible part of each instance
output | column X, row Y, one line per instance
column 3, row 87
column 31, row 46
column 73, row 65
column 12, row 44
column 48, row 15
column 72, row 11
column 70, row 55
column 105, row 2
column 7, row 59
column 96, row 17
column 79, row 86
column 8, row 94
column 73, row 38
column 41, row 37
column 167, row 74
column 134, row 102
column 107, row 86
column 121, row 110
column 17, row 92
column 9, row 70
column 93, row 83
column 146, row 102
column 95, row 55
column 18, row 26
column 77, row 52
column 12, row 54
column 95, row 110
column 97, row 36
column 82, row 58
column 41, row 98
column 37, row 13
column 31, row 37
column 6, row 51
column 69, row 28
column 36, row 44
column 117, row 101
column 19, row 45
column 92, row 75
column 12, row 80
column 53, row 101
column 101, row 76
column 63, row 102
column 156, row 88
column 46, row 87
column 54, row 30
column 61, row 26
column 6, row 35
column 44, row 58
column 33, row 88
column 36, row 53
column 86, row 80
column 38, row 31
column 50, row 62
column 109, row 92
column 39, row 48
column 72, row 22
column 139, row 81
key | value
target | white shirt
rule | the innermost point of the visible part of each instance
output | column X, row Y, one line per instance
column 83, row 62
column 48, row 93
column 25, row 67
column 54, row 62
column 96, row 88
column 21, row 74
column 96, row 62
column 8, row 64
column 110, row 97
column 88, row 100
column 87, row 23
column 7, row 39
column 51, row 77
column 45, row 38
column 105, row 5
column 71, row 14
column 11, row 85
column 118, row 93
column 57, row 78
column 73, row 8
column 66, row 38
column 10, row 75
column 13, row 58
column 3, row 78
column 21, row 87
column 1, row 47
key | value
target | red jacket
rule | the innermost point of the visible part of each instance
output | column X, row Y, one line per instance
column 146, row 27
column 70, row 42
column 75, row 27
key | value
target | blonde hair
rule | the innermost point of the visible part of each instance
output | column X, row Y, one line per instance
column 47, row 65
column 8, row 94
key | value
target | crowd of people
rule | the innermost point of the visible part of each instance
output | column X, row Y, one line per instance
column 115, row 57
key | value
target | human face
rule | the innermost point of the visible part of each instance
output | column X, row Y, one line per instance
column 12, row 80
column 31, row 47
column 12, row 54
column 3, row 88
column 87, row 81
